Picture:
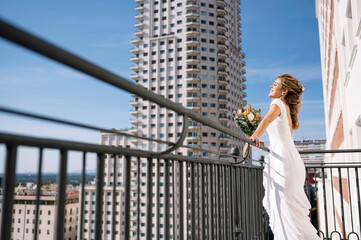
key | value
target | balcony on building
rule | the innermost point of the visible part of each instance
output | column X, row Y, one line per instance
column 239, row 40
column 134, row 121
column 134, row 112
column 244, row 79
column 221, row 54
column 135, row 50
column 193, row 88
column 139, row 34
column 135, row 59
column 135, row 41
column 192, row 42
column 135, row 67
column 221, row 37
column 221, row 46
column 243, row 71
column 221, row 28
column 223, row 90
column 244, row 87
column 134, row 102
column 140, row 2
column 222, row 63
column 239, row 25
column 243, row 55
column 135, row 76
column 221, row 19
column 134, row 130
column 192, row 5
column 193, row 136
column 192, row 60
column 192, row 32
column 239, row 18
column 192, row 50
column 222, row 72
column 243, row 63
column 140, row 9
column 238, row 10
column 192, row 23
column 222, row 81
column 223, row 109
column 221, row 11
column 222, row 100
column 139, row 25
column 221, row 3
column 193, row 97
column 192, row 14
column 139, row 17
column 244, row 94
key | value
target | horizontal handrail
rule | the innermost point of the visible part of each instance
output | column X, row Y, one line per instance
column 29, row 41
column 117, row 132
column 315, row 151
column 101, row 149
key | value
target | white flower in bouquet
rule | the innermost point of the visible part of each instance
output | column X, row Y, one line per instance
column 250, row 117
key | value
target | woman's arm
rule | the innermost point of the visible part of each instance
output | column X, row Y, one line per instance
column 272, row 114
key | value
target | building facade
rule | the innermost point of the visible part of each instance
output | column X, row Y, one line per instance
column 339, row 33
column 308, row 144
column 189, row 52
column 24, row 212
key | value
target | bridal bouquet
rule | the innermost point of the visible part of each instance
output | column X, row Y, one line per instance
column 247, row 118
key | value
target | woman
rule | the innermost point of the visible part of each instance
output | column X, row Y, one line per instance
column 284, row 174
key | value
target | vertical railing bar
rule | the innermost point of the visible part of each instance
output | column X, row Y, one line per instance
column 219, row 227
column 187, row 164
column 342, row 207
column 61, row 195
column 246, row 205
column 232, row 207
column 333, row 202
column 350, row 197
column 138, row 197
column 253, row 189
column 158, row 198
column 258, row 204
column 224, row 197
column 211, row 208
column 199, row 226
column 99, row 191
column 358, row 195
column 166, row 199
column 237, row 203
column 324, row 200
column 193, row 219
column 181, row 203
column 308, row 185
column 174, row 194
column 127, row 166
column 38, row 187
column 250, row 208
column 82, row 197
column 114, row 199
column 8, row 197
column 149, row 197
column 204, row 195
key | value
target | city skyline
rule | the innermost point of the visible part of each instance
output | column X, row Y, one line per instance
column 104, row 106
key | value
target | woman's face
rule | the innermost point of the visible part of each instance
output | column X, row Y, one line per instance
column 276, row 89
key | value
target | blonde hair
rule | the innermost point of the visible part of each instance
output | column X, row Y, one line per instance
column 293, row 96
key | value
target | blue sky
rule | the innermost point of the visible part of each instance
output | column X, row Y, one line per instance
column 278, row 37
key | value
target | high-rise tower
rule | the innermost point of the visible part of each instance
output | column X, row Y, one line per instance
column 189, row 52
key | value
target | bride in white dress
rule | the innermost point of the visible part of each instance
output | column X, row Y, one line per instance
column 284, row 174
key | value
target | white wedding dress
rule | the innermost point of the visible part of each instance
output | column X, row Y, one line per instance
column 283, row 178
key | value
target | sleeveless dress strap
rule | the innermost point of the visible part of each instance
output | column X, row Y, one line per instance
column 279, row 103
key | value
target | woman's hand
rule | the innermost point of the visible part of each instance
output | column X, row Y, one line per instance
column 255, row 139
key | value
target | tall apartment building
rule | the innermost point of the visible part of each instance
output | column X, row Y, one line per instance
column 189, row 52
column 339, row 33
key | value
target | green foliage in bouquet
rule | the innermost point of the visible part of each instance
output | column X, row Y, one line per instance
column 247, row 118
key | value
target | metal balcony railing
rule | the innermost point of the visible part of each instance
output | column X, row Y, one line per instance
column 184, row 197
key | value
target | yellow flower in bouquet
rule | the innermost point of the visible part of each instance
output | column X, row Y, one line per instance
column 247, row 118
